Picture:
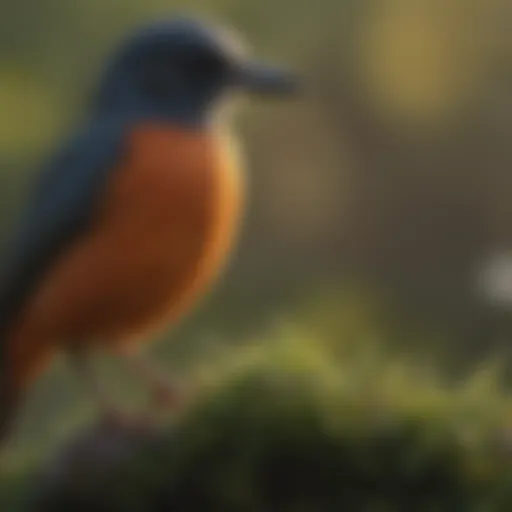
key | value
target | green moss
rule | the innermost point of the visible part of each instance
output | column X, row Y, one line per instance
column 286, row 428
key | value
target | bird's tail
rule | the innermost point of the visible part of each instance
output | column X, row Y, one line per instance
column 22, row 358
column 10, row 399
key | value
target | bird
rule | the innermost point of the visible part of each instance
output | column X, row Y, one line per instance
column 134, row 216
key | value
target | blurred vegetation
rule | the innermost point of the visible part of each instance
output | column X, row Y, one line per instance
column 285, row 426
column 300, row 419
column 382, row 192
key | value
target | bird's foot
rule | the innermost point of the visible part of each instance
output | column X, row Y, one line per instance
column 115, row 419
column 167, row 395
column 119, row 421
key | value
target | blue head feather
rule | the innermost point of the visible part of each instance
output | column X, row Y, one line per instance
column 179, row 70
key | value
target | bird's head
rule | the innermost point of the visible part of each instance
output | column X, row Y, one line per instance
column 181, row 70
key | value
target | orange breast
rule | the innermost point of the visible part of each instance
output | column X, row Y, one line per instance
column 163, row 232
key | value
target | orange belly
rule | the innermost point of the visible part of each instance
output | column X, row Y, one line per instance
column 162, row 233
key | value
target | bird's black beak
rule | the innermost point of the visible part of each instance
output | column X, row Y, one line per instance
column 260, row 78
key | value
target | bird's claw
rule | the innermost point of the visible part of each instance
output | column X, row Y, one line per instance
column 167, row 395
column 115, row 419
column 120, row 421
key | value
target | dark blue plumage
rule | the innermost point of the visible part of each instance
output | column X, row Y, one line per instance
column 60, row 208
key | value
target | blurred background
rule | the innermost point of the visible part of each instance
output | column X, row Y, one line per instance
column 380, row 203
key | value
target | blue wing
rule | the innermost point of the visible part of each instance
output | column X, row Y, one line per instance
column 60, row 209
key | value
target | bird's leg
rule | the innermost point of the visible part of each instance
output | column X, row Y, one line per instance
column 165, row 393
column 110, row 412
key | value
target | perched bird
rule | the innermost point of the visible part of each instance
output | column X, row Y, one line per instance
column 135, row 216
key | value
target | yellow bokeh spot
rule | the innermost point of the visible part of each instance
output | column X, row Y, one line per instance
column 413, row 59
column 29, row 114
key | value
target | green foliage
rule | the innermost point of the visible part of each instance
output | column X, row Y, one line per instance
column 13, row 492
column 284, row 428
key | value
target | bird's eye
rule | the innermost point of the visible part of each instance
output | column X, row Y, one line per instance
column 204, row 65
column 160, row 72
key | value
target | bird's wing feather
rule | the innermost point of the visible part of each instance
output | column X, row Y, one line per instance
column 61, row 207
